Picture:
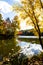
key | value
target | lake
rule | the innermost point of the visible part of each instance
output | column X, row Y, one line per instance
column 25, row 45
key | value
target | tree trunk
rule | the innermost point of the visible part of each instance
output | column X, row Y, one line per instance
column 38, row 31
column 41, row 3
column 40, row 40
column 35, row 25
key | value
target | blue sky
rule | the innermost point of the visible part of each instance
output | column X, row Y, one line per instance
column 9, row 1
column 9, row 14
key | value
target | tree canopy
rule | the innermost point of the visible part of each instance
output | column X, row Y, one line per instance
column 31, row 11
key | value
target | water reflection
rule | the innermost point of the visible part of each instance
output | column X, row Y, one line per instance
column 29, row 49
column 8, row 47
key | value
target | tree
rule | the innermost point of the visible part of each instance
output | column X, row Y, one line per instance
column 1, row 18
column 31, row 9
column 15, row 25
column 1, row 23
column 8, row 46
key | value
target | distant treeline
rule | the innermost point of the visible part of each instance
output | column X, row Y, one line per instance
column 27, row 33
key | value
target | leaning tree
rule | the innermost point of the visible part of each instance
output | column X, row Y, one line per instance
column 31, row 10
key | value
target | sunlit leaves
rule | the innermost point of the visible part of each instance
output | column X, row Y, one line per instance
column 23, row 15
column 16, row 21
column 32, row 9
column 17, row 8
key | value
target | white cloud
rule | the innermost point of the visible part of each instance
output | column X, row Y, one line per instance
column 5, row 7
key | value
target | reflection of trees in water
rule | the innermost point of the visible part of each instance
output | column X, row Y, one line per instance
column 8, row 47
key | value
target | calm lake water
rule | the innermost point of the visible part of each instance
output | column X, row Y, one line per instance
column 9, row 47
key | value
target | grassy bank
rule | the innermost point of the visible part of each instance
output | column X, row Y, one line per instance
column 16, row 60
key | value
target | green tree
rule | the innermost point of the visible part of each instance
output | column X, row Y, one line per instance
column 9, row 47
column 1, row 18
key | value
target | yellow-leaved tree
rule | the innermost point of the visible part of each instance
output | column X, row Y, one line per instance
column 32, row 10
